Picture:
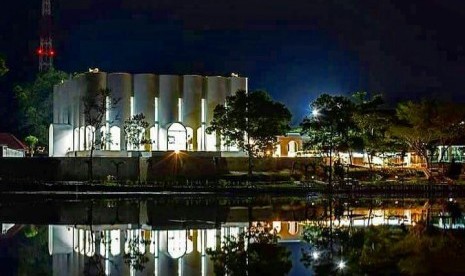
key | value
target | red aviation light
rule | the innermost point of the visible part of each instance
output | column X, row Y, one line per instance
column 52, row 53
column 40, row 52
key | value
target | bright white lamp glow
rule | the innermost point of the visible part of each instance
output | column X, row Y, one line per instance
column 315, row 112
column 341, row 265
column 315, row 255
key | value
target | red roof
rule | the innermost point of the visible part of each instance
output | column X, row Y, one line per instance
column 11, row 141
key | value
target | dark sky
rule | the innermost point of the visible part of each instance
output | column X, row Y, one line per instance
column 293, row 49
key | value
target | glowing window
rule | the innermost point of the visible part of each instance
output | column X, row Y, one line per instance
column 177, row 137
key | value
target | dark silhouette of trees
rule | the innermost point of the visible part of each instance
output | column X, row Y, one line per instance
column 254, row 252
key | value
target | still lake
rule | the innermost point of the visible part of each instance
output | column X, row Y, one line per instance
column 206, row 234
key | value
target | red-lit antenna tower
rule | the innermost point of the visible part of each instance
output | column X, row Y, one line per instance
column 46, row 51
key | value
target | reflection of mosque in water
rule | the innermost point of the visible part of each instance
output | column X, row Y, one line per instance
column 172, row 236
column 169, row 252
column 172, row 251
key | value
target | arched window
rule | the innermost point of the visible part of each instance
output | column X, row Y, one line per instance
column 177, row 243
column 293, row 228
column 90, row 137
column 154, row 137
column 177, row 137
column 292, row 148
column 76, row 139
column 115, row 138
column 190, row 139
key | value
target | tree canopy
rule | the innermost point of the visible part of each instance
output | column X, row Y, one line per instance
column 331, row 122
column 262, row 255
column 36, row 103
column 3, row 68
column 423, row 125
column 250, row 121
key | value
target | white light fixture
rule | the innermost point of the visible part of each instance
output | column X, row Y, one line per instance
column 315, row 255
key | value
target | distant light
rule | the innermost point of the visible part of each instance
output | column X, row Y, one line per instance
column 315, row 255
column 177, row 151
column 52, row 53
column 451, row 199
column 234, row 75
column 315, row 112
column 39, row 51
column 341, row 265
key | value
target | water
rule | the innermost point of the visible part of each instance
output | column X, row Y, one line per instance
column 269, row 235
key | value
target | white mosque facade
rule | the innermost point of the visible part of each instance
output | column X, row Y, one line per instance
column 178, row 109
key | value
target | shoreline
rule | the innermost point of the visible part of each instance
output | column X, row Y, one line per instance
column 214, row 188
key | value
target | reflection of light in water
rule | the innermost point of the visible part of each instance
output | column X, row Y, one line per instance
column 277, row 226
column 180, row 261
column 135, row 237
column 206, row 238
column 115, row 245
column 103, row 243
column 89, row 243
column 154, row 243
column 293, row 227
column 177, row 243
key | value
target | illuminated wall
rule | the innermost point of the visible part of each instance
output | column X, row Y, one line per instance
column 171, row 104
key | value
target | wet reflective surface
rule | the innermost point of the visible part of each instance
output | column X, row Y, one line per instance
column 204, row 235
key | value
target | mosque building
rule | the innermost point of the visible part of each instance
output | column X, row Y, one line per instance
column 178, row 109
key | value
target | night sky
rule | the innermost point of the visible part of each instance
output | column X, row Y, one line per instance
column 295, row 50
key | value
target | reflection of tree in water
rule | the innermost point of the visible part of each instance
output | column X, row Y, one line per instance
column 253, row 252
column 385, row 250
column 33, row 259
column 135, row 258
column 95, row 266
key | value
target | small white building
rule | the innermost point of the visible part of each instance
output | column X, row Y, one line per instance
column 10, row 146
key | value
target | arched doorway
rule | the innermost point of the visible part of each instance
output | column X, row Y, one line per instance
column 292, row 148
column 115, row 138
column 176, row 137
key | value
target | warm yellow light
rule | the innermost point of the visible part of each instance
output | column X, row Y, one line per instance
column 177, row 151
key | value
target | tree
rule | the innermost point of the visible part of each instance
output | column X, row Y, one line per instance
column 251, row 121
column 330, row 123
column 262, row 256
column 96, row 106
column 423, row 125
column 372, row 126
column 36, row 103
column 31, row 142
column 3, row 68
column 330, row 128
column 134, row 129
